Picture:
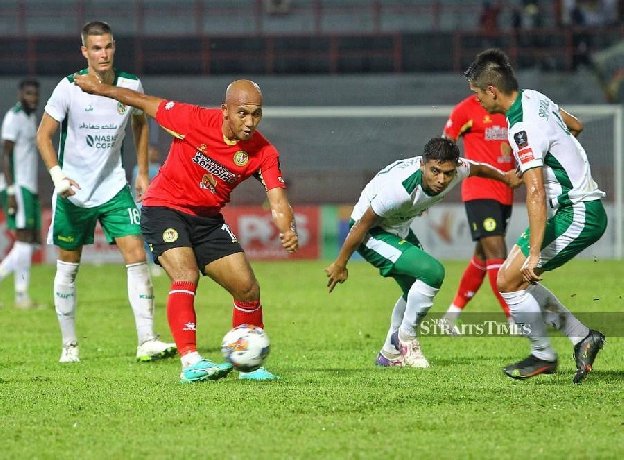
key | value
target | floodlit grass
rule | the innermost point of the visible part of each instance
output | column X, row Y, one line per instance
column 331, row 402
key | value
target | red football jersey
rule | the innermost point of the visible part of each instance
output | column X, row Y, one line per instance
column 485, row 140
column 202, row 169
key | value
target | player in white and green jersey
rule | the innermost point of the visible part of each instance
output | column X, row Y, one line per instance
column 557, row 176
column 381, row 233
column 90, row 187
column 20, row 200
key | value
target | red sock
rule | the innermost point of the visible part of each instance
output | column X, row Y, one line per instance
column 247, row 313
column 181, row 315
column 470, row 282
column 493, row 265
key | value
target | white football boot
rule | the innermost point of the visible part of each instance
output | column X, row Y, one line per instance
column 70, row 354
column 155, row 349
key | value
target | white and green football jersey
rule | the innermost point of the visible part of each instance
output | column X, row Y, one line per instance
column 92, row 134
column 539, row 138
column 397, row 196
column 21, row 129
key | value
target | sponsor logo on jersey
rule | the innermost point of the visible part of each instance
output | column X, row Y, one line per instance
column 489, row 224
column 67, row 239
column 202, row 148
column 487, row 120
column 525, row 155
column 214, row 168
column 121, row 109
column 241, row 158
column 89, row 108
column 522, row 140
column 495, row 133
column 101, row 141
column 208, row 182
column 170, row 235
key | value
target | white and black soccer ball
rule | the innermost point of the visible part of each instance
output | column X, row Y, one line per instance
column 246, row 347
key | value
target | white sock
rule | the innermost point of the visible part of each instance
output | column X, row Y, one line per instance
column 395, row 321
column 527, row 313
column 8, row 263
column 419, row 301
column 190, row 358
column 557, row 315
column 65, row 299
column 141, row 297
column 23, row 261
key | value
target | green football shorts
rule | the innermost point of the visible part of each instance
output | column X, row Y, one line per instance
column 571, row 230
column 73, row 226
column 402, row 259
column 28, row 215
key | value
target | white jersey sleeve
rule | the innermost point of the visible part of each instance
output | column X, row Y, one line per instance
column 528, row 144
column 58, row 104
column 10, row 127
column 389, row 199
column 463, row 168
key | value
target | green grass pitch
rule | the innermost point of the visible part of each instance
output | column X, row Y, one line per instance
column 331, row 401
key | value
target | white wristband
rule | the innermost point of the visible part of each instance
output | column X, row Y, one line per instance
column 61, row 184
column 10, row 190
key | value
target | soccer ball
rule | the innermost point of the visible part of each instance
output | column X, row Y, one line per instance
column 245, row 347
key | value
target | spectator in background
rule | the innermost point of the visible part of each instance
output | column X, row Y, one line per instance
column 488, row 19
column 90, row 155
column 20, row 199
column 153, row 157
column 488, row 202
column 488, row 22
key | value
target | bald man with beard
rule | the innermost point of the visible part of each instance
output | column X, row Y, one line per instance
column 213, row 150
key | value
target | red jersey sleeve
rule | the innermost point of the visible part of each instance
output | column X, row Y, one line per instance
column 269, row 172
column 178, row 118
column 458, row 123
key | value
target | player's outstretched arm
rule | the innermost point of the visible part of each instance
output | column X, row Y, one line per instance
column 337, row 271
column 489, row 172
column 283, row 218
column 575, row 126
column 90, row 83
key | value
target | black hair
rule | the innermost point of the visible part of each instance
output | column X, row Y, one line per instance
column 492, row 67
column 28, row 82
column 441, row 149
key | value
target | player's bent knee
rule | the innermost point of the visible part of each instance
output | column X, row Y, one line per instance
column 248, row 292
column 504, row 282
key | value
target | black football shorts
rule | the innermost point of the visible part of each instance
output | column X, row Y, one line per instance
column 210, row 237
column 487, row 218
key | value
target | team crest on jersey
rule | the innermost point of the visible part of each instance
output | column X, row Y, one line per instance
column 241, row 158
column 121, row 109
column 489, row 224
column 202, row 148
column 170, row 235
column 522, row 140
column 487, row 119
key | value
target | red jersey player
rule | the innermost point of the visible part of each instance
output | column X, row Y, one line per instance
column 488, row 203
column 213, row 151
